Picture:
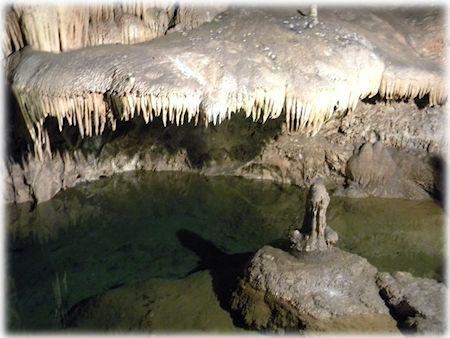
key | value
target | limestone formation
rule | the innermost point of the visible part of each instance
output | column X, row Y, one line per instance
column 317, row 292
column 241, row 61
column 323, row 290
column 381, row 171
column 417, row 303
column 315, row 235
column 204, row 73
column 314, row 288
column 38, row 181
column 58, row 29
column 313, row 13
column 290, row 158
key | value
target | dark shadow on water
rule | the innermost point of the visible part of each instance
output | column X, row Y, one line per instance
column 225, row 269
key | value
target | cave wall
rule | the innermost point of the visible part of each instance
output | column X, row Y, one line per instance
column 61, row 28
column 389, row 145
column 393, row 150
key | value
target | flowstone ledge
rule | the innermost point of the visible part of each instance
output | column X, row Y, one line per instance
column 266, row 63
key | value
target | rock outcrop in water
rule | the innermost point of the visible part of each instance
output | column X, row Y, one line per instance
column 334, row 291
column 39, row 181
column 417, row 303
column 318, row 287
column 379, row 171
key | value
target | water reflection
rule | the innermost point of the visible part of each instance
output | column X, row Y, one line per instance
column 139, row 226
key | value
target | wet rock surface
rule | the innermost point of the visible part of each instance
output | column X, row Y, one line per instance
column 40, row 181
column 331, row 291
column 410, row 140
column 352, row 190
column 240, row 61
column 356, row 145
column 317, row 287
column 417, row 303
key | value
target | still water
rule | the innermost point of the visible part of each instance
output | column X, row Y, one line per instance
column 155, row 247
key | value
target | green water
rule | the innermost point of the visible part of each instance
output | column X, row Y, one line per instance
column 169, row 232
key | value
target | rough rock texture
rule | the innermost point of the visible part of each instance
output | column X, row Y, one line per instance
column 400, row 125
column 315, row 234
column 39, row 181
column 352, row 190
column 379, row 171
column 331, row 291
column 413, row 140
column 418, row 303
column 425, row 38
column 241, row 61
column 240, row 147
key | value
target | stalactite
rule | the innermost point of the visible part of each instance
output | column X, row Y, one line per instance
column 13, row 39
column 63, row 28
column 188, row 92
column 39, row 25
column 396, row 86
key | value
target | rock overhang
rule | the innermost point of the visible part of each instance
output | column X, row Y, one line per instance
column 264, row 62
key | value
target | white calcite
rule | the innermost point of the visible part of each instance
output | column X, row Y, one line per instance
column 243, row 60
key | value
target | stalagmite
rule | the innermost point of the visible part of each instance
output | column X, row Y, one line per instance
column 315, row 234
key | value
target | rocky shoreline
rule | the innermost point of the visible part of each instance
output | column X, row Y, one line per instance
column 355, row 154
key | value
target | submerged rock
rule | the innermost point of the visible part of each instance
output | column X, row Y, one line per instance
column 417, row 303
column 161, row 305
column 331, row 291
